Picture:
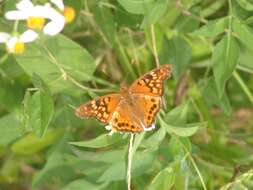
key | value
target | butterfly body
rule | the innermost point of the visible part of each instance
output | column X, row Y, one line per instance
column 134, row 108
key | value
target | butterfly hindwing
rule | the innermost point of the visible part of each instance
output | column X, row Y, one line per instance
column 150, row 107
column 101, row 108
column 152, row 83
column 123, row 121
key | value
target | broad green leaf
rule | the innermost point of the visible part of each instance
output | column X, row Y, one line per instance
column 179, row 147
column 53, row 57
column 210, row 95
column 184, row 130
column 31, row 144
column 163, row 180
column 99, row 142
column 187, row 24
column 155, row 13
column 155, row 139
column 179, row 55
column 136, row 6
column 244, row 33
column 111, row 156
column 57, row 165
column 178, row 114
column 11, row 94
column 142, row 162
column 224, row 61
column 38, row 111
column 175, row 122
column 213, row 28
column 9, row 129
column 247, row 5
column 46, row 103
column 81, row 184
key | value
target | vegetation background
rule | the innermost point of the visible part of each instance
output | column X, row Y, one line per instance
column 203, row 139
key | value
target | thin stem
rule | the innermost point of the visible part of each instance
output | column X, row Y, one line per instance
column 194, row 165
column 243, row 86
column 154, row 45
column 65, row 76
column 130, row 158
column 3, row 58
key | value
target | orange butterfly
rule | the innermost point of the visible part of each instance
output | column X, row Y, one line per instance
column 134, row 108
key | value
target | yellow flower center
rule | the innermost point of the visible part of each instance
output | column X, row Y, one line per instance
column 69, row 14
column 35, row 22
column 18, row 48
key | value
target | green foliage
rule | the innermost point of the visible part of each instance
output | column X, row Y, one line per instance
column 203, row 135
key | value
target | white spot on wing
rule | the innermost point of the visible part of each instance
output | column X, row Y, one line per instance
column 150, row 128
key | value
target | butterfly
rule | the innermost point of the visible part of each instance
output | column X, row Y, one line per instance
column 134, row 108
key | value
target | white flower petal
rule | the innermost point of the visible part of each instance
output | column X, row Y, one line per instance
column 45, row 12
column 28, row 36
column 58, row 3
column 25, row 5
column 54, row 27
column 16, row 15
column 4, row 37
column 11, row 43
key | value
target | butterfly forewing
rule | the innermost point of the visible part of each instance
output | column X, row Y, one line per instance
column 151, row 83
column 101, row 108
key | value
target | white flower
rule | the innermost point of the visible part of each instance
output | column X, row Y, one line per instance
column 59, row 4
column 68, row 12
column 15, row 44
column 35, row 16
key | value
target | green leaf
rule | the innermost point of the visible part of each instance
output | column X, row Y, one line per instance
column 224, row 61
column 38, row 111
column 178, row 114
column 136, row 6
column 9, row 129
column 46, row 103
column 163, row 180
column 116, row 171
column 11, row 94
column 57, row 165
column 247, row 5
column 81, row 184
column 110, row 156
column 211, row 97
column 39, row 83
column 179, row 147
column 179, row 55
column 153, row 15
column 99, row 142
column 31, row 144
column 175, row 122
column 50, row 56
column 244, row 33
column 185, row 130
column 212, row 28
column 155, row 139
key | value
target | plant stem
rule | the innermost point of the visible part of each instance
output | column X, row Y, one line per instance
column 154, row 45
column 243, row 86
column 130, row 158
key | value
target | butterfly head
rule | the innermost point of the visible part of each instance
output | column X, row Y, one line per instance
column 123, row 89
